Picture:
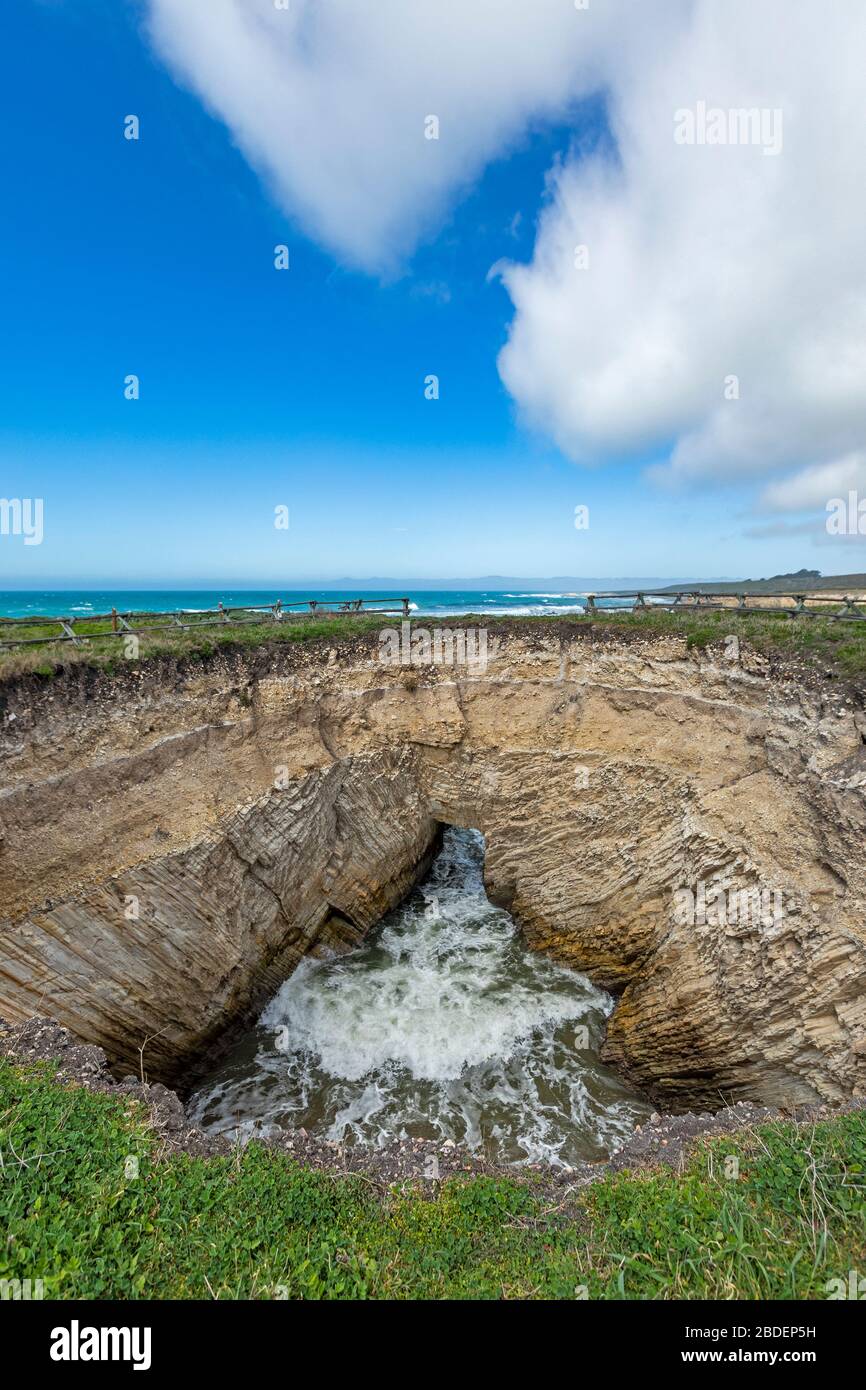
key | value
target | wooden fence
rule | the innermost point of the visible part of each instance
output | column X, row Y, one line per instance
column 104, row 626
column 792, row 605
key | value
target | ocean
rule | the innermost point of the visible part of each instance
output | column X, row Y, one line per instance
column 519, row 602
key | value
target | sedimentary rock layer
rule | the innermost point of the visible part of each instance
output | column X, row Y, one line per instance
column 687, row 828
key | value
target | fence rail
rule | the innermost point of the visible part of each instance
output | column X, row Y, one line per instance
column 97, row 627
column 852, row 606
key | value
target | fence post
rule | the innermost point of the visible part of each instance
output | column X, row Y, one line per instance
column 799, row 605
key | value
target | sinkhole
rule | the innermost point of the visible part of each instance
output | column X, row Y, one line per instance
column 443, row 1025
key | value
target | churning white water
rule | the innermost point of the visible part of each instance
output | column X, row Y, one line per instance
column 442, row 1025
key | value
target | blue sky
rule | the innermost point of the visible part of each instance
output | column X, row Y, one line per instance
column 303, row 388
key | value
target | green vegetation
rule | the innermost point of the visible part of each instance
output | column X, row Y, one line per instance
column 797, row 582
column 258, row 1225
column 196, row 641
column 819, row 641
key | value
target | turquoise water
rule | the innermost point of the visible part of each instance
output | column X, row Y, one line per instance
column 534, row 598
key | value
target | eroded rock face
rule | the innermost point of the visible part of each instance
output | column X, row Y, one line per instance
column 174, row 841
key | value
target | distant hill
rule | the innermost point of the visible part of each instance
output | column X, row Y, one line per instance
column 800, row 582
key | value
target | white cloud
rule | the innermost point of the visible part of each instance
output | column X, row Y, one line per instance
column 813, row 487
column 704, row 261
column 328, row 99
column 813, row 495
column 709, row 261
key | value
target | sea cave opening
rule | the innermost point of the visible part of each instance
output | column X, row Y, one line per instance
column 441, row 1025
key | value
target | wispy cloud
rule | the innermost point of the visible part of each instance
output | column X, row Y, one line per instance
column 813, row 487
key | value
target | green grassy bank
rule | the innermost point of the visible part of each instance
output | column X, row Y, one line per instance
column 196, row 642
column 257, row 1225
column 820, row 642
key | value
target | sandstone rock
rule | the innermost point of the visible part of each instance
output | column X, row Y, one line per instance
column 175, row 840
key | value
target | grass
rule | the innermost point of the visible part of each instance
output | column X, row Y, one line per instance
column 258, row 1225
column 820, row 642
column 197, row 642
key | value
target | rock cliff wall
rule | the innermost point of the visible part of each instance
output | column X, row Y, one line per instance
column 689, row 829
